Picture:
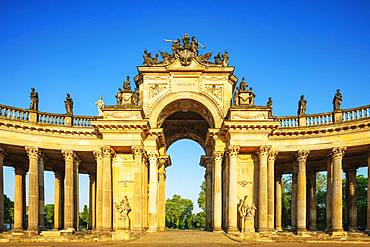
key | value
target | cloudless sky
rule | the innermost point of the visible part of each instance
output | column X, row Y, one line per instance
column 86, row 48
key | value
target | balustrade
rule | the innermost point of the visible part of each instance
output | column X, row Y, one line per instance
column 14, row 113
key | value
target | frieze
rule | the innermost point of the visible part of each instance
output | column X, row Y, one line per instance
column 248, row 115
column 131, row 115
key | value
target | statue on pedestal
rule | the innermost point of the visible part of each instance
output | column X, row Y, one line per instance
column 269, row 103
column 69, row 104
column 243, row 85
column 127, row 85
column 337, row 101
column 119, row 96
column 135, row 97
column 100, row 105
column 34, row 96
column 236, row 97
column 302, row 103
column 124, row 209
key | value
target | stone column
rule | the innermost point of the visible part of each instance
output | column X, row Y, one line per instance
column 138, row 190
column 24, row 213
column 92, row 194
column 351, row 200
column 233, row 189
column 217, row 191
column 69, row 203
column 208, row 178
column 42, row 160
column 301, row 190
column 145, row 192
column 107, row 152
column 329, row 191
column 271, row 189
column 153, row 191
column 2, row 153
column 368, row 194
column 76, row 192
column 33, row 188
column 294, row 196
column 99, row 188
column 278, row 204
column 18, row 199
column 58, row 200
column 162, row 199
column 262, row 190
column 336, row 222
column 312, row 201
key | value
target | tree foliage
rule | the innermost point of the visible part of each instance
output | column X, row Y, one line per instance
column 178, row 212
column 84, row 218
column 8, row 210
column 49, row 216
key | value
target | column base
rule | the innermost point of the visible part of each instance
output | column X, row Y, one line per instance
column 303, row 233
column 31, row 233
column 232, row 229
column 152, row 229
column 217, row 229
column 312, row 228
column 279, row 229
column 352, row 229
column 121, row 235
column 338, row 233
column 263, row 230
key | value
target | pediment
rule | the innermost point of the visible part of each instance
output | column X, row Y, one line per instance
column 194, row 65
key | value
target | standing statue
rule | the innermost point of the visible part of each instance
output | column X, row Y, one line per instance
column 135, row 97
column 225, row 59
column 218, row 59
column 243, row 208
column 34, row 96
column 186, row 42
column 251, row 97
column 236, row 97
column 337, row 101
column 119, row 96
column 302, row 104
column 243, row 85
column 176, row 47
column 124, row 209
column 69, row 104
column 269, row 103
column 127, row 85
column 100, row 105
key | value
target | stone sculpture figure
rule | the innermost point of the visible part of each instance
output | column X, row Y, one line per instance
column 225, row 59
column 194, row 45
column 100, row 106
column 337, row 101
column 251, row 97
column 269, row 103
column 124, row 209
column 135, row 97
column 243, row 85
column 127, row 85
column 302, row 103
column 34, row 96
column 236, row 97
column 218, row 59
column 148, row 59
column 119, row 96
column 69, row 104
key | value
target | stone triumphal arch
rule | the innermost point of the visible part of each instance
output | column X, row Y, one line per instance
column 183, row 95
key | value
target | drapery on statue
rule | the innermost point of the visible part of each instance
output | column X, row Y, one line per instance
column 302, row 103
column 135, row 97
column 251, row 97
column 236, row 97
column 127, row 85
column 69, row 104
column 119, row 96
column 243, row 85
column 337, row 101
column 269, row 103
column 100, row 105
column 124, row 209
column 34, row 96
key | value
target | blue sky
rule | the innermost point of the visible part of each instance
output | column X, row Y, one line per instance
column 86, row 48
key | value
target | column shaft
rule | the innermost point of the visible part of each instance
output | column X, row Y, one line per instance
column 294, row 196
column 33, row 188
column 69, row 202
column 107, row 188
column 262, row 190
column 278, row 203
column 271, row 189
column 368, row 194
column 301, row 190
column 208, row 195
column 336, row 222
column 162, row 200
column 217, row 191
column 76, row 199
column 41, row 191
column 2, row 153
column 18, row 199
column 99, row 188
column 92, row 194
column 153, row 191
column 352, row 202
column 138, row 190
column 329, row 192
column 312, row 201
column 233, row 189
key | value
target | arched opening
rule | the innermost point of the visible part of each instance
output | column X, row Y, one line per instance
column 189, row 120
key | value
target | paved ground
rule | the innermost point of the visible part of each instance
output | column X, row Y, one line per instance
column 189, row 238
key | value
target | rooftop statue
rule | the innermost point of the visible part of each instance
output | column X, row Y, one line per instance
column 243, row 85
column 185, row 50
column 269, row 103
column 127, row 85
column 100, row 105
column 34, row 96
column 302, row 103
column 69, row 104
column 337, row 101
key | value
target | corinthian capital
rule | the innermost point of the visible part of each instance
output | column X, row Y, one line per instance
column 2, row 152
column 263, row 150
column 233, row 150
column 33, row 152
column 273, row 154
column 338, row 152
column 107, row 151
column 70, row 155
column 217, row 155
column 302, row 155
column 137, row 150
column 98, row 154
column 153, row 156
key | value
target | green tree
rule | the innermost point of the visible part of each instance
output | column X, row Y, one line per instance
column 320, row 201
column 361, row 197
column 84, row 218
column 286, row 194
column 199, row 220
column 49, row 216
column 178, row 212
column 8, row 210
column 202, row 196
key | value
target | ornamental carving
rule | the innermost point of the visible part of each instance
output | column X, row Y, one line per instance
column 107, row 151
column 263, row 150
column 338, row 152
column 233, row 150
column 98, row 154
column 153, row 156
column 273, row 154
column 156, row 89
column 129, row 115
column 123, row 208
column 185, row 105
column 302, row 155
column 137, row 150
column 185, row 50
column 33, row 152
column 215, row 90
column 218, row 155
column 161, row 173
column 70, row 155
